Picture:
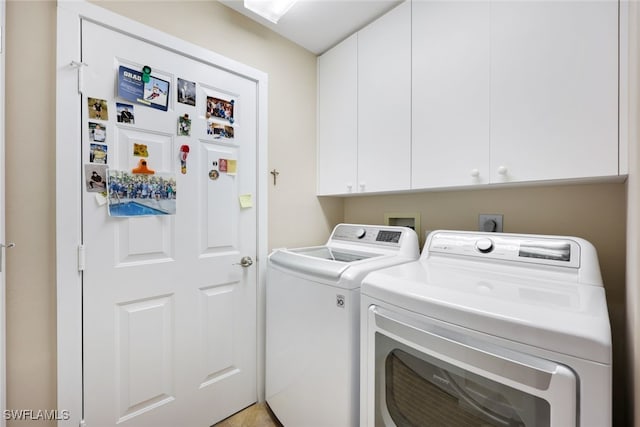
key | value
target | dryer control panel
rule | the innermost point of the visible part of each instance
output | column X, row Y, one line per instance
column 549, row 250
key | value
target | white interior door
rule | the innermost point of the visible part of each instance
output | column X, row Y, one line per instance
column 169, row 317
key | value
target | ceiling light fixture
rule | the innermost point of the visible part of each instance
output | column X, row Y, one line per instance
column 271, row 10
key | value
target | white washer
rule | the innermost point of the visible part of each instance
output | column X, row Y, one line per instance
column 313, row 306
column 488, row 329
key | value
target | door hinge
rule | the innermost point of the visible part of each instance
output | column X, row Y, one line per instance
column 79, row 65
column 81, row 257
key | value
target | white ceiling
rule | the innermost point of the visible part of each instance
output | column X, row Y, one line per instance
column 318, row 25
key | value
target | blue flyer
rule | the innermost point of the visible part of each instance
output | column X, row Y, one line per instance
column 154, row 94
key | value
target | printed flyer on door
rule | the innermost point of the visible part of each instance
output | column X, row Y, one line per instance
column 154, row 93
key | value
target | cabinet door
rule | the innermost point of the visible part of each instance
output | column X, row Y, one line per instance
column 554, row 99
column 450, row 56
column 337, row 118
column 384, row 102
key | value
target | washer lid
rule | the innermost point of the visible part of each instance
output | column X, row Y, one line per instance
column 309, row 263
column 332, row 254
column 556, row 315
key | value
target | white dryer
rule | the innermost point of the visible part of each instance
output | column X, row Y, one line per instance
column 312, row 322
column 488, row 329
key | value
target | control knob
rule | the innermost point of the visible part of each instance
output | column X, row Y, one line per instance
column 360, row 233
column 484, row 245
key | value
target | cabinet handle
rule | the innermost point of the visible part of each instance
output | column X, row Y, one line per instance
column 475, row 173
column 362, row 186
column 502, row 170
column 349, row 187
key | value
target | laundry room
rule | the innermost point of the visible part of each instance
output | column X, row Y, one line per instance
column 321, row 135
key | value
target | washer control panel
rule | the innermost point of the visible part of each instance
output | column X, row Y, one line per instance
column 373, row 235
column 523, row 248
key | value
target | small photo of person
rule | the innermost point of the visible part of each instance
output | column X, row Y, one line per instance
column 97, row 132
column 220, row 108
column 219, row 130
column 184, row 125
column 186, row 92
column 98, row 108
column 95, row 178
column 98, row 153
column 125, row 113
column 156, row 93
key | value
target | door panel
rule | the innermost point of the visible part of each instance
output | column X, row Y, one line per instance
column 145, row 338
column 216, row 305
column 169, row 317
column 219, row 228
column 144, row 240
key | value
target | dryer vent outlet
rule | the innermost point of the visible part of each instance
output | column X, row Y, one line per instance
column 490, row 222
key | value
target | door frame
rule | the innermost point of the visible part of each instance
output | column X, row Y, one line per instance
column 70, row 13
column 3, row 263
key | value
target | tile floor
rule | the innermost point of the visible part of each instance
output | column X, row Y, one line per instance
column 258, row 415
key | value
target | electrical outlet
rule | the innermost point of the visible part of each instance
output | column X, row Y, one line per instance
column 490, row 222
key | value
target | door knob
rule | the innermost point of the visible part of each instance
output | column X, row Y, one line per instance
column 245, row 262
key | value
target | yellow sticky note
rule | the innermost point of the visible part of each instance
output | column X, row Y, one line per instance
column 232, row 167
column 246, row 201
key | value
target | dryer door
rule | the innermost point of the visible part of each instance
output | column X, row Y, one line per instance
column 427, row 374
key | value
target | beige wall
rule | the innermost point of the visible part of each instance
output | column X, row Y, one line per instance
column 30, row 202
column 296, row 216
column 596, row 212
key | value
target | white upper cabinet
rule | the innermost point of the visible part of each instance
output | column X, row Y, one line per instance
column 384, row 102
column 554, row 90
column 450, row 93
column 364, row 109
column 439, row 94
column 337, row 118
